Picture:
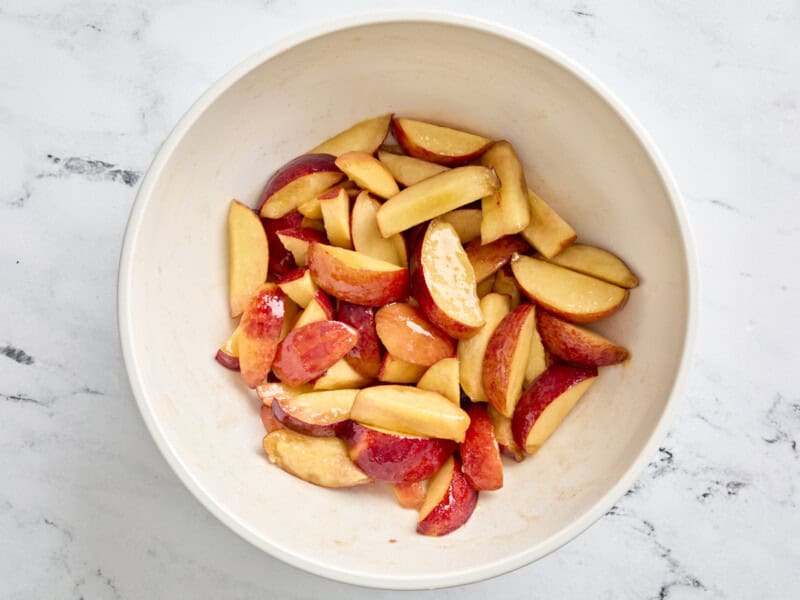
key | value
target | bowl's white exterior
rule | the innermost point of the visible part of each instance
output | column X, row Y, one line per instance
column 583, row 152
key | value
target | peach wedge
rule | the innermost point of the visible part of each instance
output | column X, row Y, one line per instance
column 594, row 261
column 449, row 501
column 248, row 256
column 573, row 296
column 298, row 181
column 364, row 136
column 408, row 170
column 577, row 345
column 436, row 143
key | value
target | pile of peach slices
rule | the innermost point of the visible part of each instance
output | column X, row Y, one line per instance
column 409, row 312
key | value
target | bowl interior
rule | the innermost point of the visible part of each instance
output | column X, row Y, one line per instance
column 579, row 153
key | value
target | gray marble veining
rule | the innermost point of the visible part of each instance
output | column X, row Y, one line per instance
column 88, row 508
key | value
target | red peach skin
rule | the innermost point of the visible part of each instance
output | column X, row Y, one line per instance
column 309, row 351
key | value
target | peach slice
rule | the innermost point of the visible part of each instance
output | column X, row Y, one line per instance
column 298, row 181
column 356, row 277
column 508, row 211
column 297, row 241
column 466, row 222
column 435, row 196
column 323, row 414
column 410, row 410
column 449, row 501
column 442, row 378
column 290, row 311
column 228, row 353
column 340, row 376
column 281, row 261
column 368, row 173
column 577, row 345
column 311, row 209
column 436, row 143
column 408, row 335
column 364, row 136
column 394, row 370
column 260, row 330
column 395, row 457
column 319, row 309
column 410, row 495
column 471, row 352
column 268, row 392
column 487, row 259
column 596, row 262
column 299, row 286
column 504, row 283
column 547, row 401
column 443, row 281
column 248, row 256
column 547, row 231
column 367, row 238
column 307, row 352
column 568, row 294
column 321, row 461
column 335, row 208
column 480, row 454
column 504, row 435
column 313, row 223
column 268, row 419
column 365, row 356
column 408, row 170
column 538, row 359
column 506, row 358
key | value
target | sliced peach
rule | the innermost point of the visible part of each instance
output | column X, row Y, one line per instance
column 365, row 356
column 443, row 281
column 340, row 376
column 568, row 294
column 307, row 352
column 594, row 261
column 313, row 223
column 297, row 241
column 365, row 136
column 320, row 413
column 335, row 208
column 471, row 352
column 356, row 277
column 248, row 256
column 410, row 495
column 505, row 283
column 547, row 231
column 321, row 461
column 466, row 222
column 228, row 353
column 368, row 173
column 449, row 501
column 442, row 378
column 504, row 435
column 268, row 392
column 409, row 336
column 299, row 286
column 507, row 357
column 394, row 370
column 260, row 330
column 311, row 209
column 538, row 359
column 298, row 181
column 577, row 345
column 291, row 310
column 510, row 212
column 547, row 401
column 268, row 419
column 480, row 454
column 319, row 309
column 396, row 457
column 408, row 170
column 487, row 259
column 410, row 410
column 436, row 143
column 367, row 238
column 435, row 196
column 281, row 261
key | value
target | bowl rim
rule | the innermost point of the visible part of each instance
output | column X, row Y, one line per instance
column 450, row 578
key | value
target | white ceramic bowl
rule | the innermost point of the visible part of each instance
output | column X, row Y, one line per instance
column 583, row 152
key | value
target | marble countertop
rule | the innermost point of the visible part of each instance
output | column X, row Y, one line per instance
column 88, row 507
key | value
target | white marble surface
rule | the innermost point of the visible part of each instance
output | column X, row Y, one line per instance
column 89, row 509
